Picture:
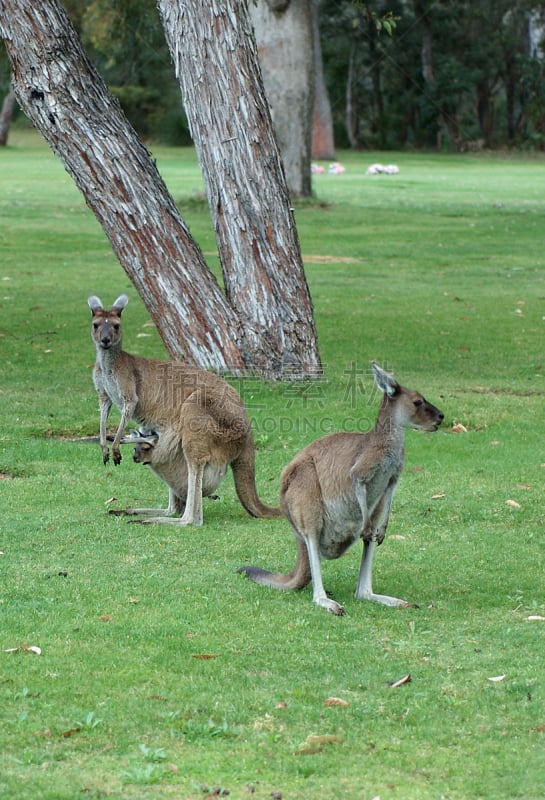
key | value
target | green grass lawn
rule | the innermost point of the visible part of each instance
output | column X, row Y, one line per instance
column 162, row 673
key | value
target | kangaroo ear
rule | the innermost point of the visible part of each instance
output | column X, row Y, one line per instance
column 120, row 303
column 385, row 382
column 95, row 303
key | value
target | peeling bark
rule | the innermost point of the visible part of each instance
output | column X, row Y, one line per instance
column 214, row 53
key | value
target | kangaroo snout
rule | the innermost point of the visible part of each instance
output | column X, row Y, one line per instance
column 437, row 418
column 421, row 414
column 440, row 418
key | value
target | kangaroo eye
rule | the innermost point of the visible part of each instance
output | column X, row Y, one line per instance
column 418, row 403
column 116, row 326
column 96, row 326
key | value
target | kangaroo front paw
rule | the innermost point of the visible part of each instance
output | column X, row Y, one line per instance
column 116, row 457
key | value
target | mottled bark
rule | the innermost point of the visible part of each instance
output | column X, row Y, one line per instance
column 6, row 113
column 285, row 45
column 215, row 58
column 61, row 92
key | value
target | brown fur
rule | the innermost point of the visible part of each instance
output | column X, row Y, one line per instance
column 167, row 461
column 339, row 489
column 200, row 419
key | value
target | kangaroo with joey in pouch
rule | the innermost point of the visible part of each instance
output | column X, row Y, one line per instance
column 165, row 457
column 200, row 421
column 339, row 489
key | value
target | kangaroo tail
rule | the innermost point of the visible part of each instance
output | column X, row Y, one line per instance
column 244, row 475
column 298, row 578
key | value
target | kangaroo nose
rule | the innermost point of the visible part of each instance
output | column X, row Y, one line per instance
column 105, row 341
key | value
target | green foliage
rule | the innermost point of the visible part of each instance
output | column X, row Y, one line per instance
column 161, row 672
column 472, row 93
column 482, row 87
column 126, row 40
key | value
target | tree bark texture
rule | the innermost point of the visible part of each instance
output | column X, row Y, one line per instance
column 6, row 113
column 61, row 92
column 284, row 37
column 323, row 142
column 215, row 57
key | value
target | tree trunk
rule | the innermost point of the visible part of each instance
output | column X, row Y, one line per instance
column 485, row 110
column 323, row 143
column 285, row 45
column 58, row 88
column 215, row 57
column 376, row 82
column 5, row 116
column 425, row 47
column 352, row 94
column 60, row 91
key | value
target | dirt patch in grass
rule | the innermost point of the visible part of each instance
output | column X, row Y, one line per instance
column 310, row 259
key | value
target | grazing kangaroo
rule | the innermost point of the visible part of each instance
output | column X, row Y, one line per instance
column 339, row 489
column 200, row 420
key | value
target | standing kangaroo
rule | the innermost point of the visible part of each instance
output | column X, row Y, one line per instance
column 339, row 489
column 198, row 417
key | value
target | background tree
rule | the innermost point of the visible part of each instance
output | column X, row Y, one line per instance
column 356, row 49
column 284, row 34
column 127, row 43
column 457, row 73
column 6, row 112
column 60, row 90
column 323, row 138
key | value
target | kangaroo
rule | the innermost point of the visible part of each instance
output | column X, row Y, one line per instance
column 172, row 470
column 198, row 417
column 339, row 489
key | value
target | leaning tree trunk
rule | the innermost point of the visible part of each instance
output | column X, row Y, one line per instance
column 214, row 53
column 6, row 113
column 61, row 92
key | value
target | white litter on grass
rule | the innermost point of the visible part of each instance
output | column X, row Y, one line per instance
column 382, row 169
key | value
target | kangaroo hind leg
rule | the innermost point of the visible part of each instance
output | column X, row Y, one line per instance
column 301, row 502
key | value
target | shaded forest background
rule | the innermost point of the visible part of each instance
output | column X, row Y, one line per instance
column 455, row 74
